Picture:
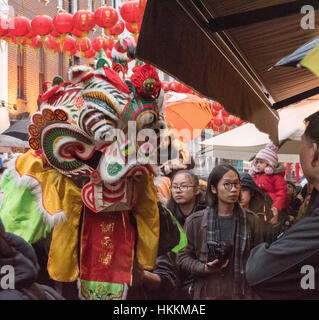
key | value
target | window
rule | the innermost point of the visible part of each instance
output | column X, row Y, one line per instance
column 75, row 6
column 61, row 64
column 41, row 69
column 20, row 71
column 74, row 61
column 90, row 5
column 60, row 4
column 70, row 6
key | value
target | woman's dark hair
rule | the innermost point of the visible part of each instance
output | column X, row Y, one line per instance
column 215, row 176
column 312, row 129
column 190, row 174
column 292, row 184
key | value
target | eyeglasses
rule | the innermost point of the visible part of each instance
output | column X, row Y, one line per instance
column 229, row 185
column 181, row 188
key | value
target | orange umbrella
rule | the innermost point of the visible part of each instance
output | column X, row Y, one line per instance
column 186, row 112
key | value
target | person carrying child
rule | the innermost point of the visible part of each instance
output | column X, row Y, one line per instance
column 270, row 178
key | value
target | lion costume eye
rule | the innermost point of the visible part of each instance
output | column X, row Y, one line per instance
column 93, row 121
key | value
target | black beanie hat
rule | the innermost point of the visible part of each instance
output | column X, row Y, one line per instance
column 248, row 182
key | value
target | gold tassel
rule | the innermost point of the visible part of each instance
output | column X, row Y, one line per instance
column 124, row 224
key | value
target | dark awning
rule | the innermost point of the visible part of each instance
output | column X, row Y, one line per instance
column 19, row 130
column 218, row 49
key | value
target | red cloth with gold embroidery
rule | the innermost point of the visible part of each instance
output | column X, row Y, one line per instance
column 107, row 243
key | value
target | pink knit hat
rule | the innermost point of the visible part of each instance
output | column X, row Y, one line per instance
column 269, row 155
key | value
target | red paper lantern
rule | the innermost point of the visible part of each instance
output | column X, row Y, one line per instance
column 117, row 29
column 99, row 43
column 109, row 43
column 28, row 37
column 225, row 113
column 30, row 34
column 132, row 27
column 89, row 53
column 213, row 110
column 56, row 34
column 47, row 43
column 229, row 121
column 4, row 27
column 215, row 113
column 63, row 23
column 9, row 37
column 83, row 20
column 73, row 52
column 51, row 43
column 77, row 33
column 36, row 42
column 165, row 85
column 210, row 124
column 130, row 12
column 55, row 45
column 84, row 45
column 68, row 45
column 22, row 26
column 106, row 17
column 41, row 25
column 176, row 86
column 24, row 41
column 217, row 106
column 238, row 121
column 218, row 121
column 188, row 90
column 217, row 129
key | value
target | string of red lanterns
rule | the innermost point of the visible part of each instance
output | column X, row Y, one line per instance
column 59, row 33
column 176, row 86
column 222, row 121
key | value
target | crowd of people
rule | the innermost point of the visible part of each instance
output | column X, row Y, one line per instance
column 248, row 236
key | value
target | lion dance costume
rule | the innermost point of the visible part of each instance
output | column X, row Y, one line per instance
column 100, row 225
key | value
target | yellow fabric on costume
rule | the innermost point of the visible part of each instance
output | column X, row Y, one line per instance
column 148, row 223
column 63, row 256
column 59, row 198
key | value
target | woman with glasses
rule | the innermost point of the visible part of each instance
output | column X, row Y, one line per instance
column 185, row 195
column 185, row 200
column 220, row 238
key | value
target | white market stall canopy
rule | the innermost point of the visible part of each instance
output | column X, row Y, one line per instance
column 12, row 142
column 245, row 141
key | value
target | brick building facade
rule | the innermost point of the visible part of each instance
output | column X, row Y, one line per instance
column 28, row 68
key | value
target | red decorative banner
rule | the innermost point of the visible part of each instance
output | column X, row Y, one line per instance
column 107, row 243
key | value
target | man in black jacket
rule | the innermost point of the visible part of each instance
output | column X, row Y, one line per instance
column 289, row 267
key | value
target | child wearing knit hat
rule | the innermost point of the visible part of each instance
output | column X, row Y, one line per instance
column 262, row 170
